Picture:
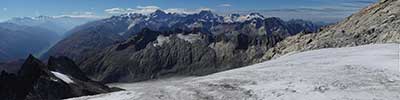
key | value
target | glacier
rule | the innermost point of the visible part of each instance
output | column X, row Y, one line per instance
column 369, row 72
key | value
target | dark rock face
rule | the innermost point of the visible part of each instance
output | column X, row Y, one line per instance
column 7, row 86
column 59, row 80
column 11, row 66
column 141, row 60
column 153, row 54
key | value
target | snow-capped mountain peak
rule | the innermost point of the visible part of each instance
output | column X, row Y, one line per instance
column 158, row 13
column 254, row 16
column 128, row 16
column 240, row 18
column 206, row 14
column 232, row 18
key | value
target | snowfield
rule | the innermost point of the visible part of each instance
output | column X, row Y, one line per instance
column 369, row 72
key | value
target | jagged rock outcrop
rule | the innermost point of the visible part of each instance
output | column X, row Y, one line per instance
column 59, row 80
column 378, row 23
column 11, row 66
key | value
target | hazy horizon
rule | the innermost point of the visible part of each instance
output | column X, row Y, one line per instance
column 327, row 10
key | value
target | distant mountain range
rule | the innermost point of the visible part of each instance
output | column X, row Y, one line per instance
column 18, row 41
column 20, row 37
column 58, row 24
column 134, row 47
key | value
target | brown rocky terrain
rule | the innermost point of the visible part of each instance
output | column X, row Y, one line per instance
column 377, row 23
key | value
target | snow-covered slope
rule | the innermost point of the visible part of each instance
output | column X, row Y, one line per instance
column 369, row 72
column 242, row 18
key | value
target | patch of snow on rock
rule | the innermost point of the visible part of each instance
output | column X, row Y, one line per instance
column 63, row 77
column 161, row 40
column 254, row 16
column 190, row 37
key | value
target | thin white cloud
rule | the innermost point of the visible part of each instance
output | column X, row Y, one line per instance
column 186, row 11
column 5, row 9
column 204, row 8
column 225, row 5
column 151, row 9
column 148, row 7
column 144, row 9
column 138, row 9
column 177, row 10
column 115, row 10
column 80, row 15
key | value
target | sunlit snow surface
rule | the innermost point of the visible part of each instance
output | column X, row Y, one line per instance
column 368, row 72
column 63, row 77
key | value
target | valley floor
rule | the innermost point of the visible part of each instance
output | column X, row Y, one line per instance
column 370, row 72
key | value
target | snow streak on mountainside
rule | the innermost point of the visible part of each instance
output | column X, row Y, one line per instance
column 369, row 72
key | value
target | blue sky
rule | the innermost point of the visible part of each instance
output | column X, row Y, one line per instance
column 327, row 10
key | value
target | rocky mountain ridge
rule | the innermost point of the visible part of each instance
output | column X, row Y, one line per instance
column 377, row 23
column 60, row 79
column 89, row 38
column 152, row 54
